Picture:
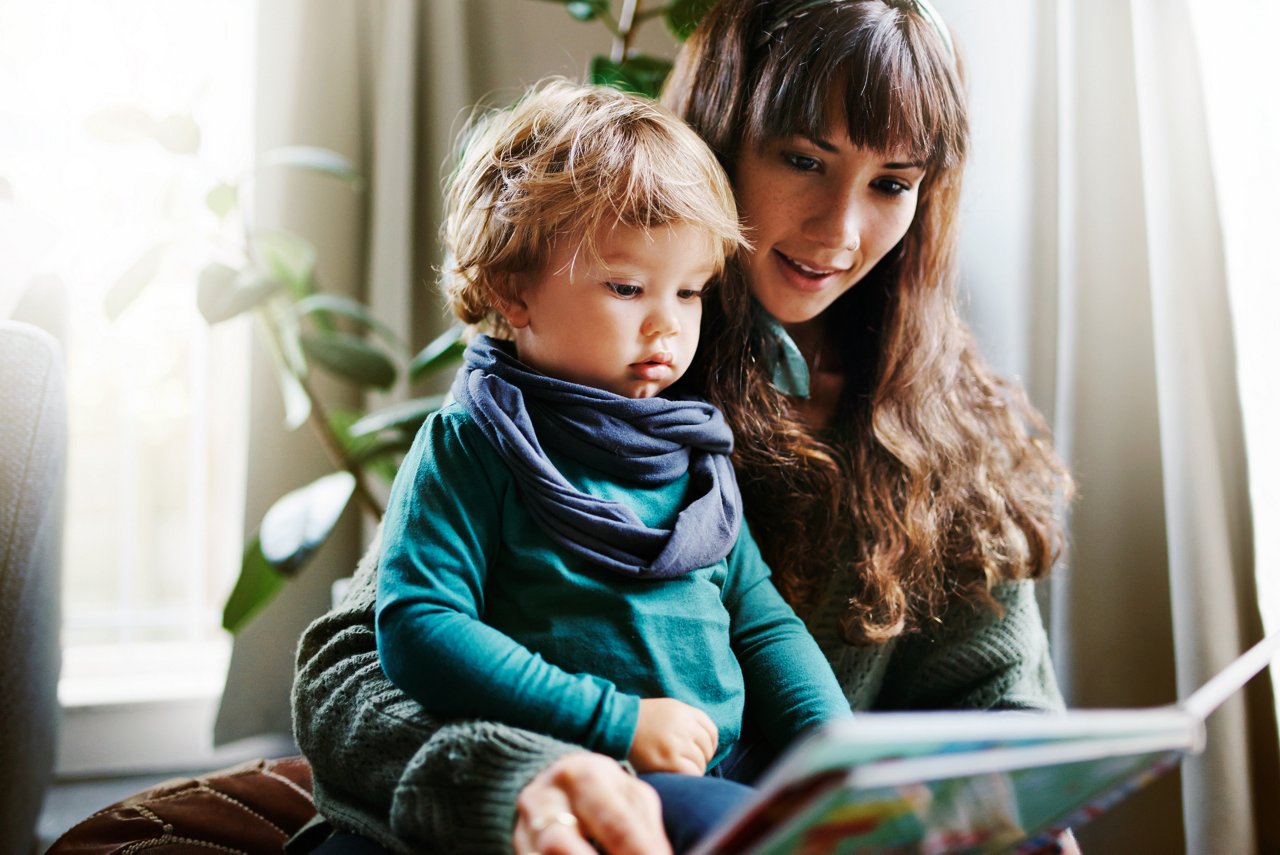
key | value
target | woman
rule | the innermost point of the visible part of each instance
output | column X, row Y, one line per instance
column 922, row 487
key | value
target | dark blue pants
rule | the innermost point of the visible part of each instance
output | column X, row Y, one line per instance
column 692, row 806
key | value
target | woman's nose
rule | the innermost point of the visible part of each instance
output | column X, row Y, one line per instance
column 837, row 222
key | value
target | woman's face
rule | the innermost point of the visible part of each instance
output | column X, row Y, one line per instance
column 821, row 213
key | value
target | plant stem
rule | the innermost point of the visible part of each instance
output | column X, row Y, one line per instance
column 318, row 417
column 626, row 30
column 319, row 420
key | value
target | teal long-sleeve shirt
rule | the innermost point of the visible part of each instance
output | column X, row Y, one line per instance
column 479, row 614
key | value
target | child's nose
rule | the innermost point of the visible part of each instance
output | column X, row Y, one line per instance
column 660, row 323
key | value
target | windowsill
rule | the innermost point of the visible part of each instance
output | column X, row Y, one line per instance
column 147, row 709
column 112, row 674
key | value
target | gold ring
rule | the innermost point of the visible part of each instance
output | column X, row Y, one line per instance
column 562, row 818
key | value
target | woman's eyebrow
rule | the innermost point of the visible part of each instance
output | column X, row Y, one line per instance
column 831, row 148
column 820, row 142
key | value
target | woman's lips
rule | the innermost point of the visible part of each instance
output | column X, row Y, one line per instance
column 805, row 276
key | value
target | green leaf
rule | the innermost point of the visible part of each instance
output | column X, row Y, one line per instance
column 641, row 74
column 407, row 415
column 444, row 351
column 297, row 403
column 301, row 521
column 682, row 16
column 290, row 362
column 586, row 10
column 258, row 583
column 315, row 159
column 222, row 199
column 287, row 257
column 178, row 134
column 137, row 277
column 350, row 357
column 337, row 304
column 223, row 292
column 340, row 422
column 393, row 444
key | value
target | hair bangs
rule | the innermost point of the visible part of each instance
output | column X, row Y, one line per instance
column 885, row 74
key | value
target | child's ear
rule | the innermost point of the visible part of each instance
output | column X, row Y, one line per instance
column 516, row 313
column 514, row 309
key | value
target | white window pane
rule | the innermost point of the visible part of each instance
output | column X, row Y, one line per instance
column 156, row 398
column 1241, row 66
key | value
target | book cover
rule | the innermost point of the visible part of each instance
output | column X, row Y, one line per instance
column 979, row 782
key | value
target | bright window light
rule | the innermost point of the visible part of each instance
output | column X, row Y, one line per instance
column 1240, row 67
column 116, row 119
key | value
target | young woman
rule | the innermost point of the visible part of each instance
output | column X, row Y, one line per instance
column 903, row 494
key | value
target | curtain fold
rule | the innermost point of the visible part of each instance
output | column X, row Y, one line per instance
column 1161, row 592
column 1206, row 493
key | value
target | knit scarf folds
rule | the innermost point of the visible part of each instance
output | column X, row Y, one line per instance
column 644, row 441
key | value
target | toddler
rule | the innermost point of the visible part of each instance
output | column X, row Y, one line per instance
column 564, row 548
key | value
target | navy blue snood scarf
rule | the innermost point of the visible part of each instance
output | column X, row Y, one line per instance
column 643, row 441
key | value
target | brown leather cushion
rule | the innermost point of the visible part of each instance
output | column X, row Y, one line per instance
column 251, row 808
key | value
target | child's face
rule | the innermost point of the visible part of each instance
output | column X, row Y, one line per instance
column 628, row 322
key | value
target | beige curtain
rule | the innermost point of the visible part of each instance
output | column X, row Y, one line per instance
column 1160, row 593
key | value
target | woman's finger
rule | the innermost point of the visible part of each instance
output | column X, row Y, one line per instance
column 545, row 822
column 583, row 796
column 619, row 812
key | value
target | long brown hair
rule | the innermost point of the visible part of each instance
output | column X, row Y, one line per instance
column 938, row 479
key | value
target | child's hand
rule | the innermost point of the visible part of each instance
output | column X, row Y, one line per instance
column 672, row 736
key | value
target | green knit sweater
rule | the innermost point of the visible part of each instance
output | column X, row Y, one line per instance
column 384, row 768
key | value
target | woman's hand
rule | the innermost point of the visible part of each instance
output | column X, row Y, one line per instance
column 672, row 736
column 583, row 798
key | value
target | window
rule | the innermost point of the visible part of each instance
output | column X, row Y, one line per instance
column 1240, row 66
column 116, row 118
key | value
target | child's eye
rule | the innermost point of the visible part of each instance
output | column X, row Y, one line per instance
column 624, row 290
column 689, row 294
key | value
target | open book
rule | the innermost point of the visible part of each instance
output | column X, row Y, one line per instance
column 967, row 781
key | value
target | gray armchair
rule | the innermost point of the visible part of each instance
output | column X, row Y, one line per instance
column 32, row 460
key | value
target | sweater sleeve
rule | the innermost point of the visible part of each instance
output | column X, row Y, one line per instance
column 441, row 535
column 382, row 766
column 790, row 685
column 978, row 659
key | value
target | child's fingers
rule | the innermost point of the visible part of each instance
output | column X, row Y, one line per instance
column 705, row 735
column 704, row 738
column 688, row 765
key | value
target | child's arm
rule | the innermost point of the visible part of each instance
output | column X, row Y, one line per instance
column 788, row 680
column 441, row 530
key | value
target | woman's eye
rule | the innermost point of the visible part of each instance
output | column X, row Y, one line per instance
column 623, row 289
column 892, row 186
column 803, row 162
